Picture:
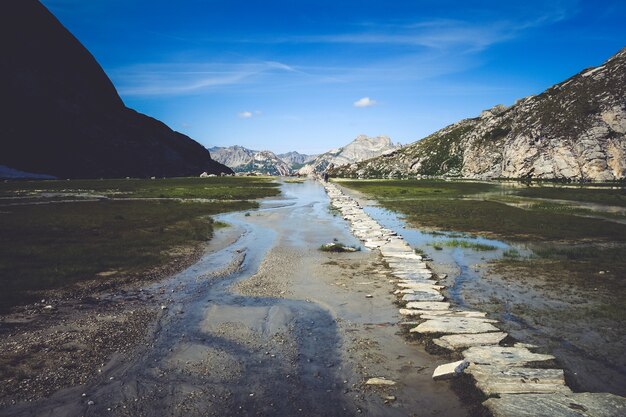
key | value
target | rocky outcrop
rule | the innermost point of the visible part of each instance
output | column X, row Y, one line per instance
column 241, row 159
column 575, row 130
column 62, row 115
column 232, row 156
column 361, row 148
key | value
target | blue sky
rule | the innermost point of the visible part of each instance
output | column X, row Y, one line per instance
column 312, row 75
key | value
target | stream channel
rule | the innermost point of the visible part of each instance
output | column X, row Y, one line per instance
column 266, row 324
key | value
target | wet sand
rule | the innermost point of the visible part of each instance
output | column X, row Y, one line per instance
column 264, row 324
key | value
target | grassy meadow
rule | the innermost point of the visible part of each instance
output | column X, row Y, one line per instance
column 57, row 233
column 570, row 243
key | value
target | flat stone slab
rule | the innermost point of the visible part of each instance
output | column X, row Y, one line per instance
column 462, row 341
column 373, row 243
column 499, row 355
column 380, row 381
column 410, row 312
column 417, row 291
column 455, row 325
column 423, row 296
column 461, row 313
column 428, row 305
column 492, row 380
column 449, row 370
column 412, row 277
column 557, row 405
column 420, row 286
column 456, row 314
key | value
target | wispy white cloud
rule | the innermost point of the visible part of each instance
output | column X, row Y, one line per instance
column 445, row 34
column 186, row 78
column 364, row 102
column 249, row 114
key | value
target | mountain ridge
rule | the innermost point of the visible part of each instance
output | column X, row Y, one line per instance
column 63, row 116
column 573, row 130
column 241, row 159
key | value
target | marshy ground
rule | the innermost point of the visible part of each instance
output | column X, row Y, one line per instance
column 263, row 323
column 546, row 260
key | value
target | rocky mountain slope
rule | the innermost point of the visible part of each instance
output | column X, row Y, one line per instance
column 296, row 160
column 361, row 148
column 574, row 130
column 62, row 115
column 242, row 159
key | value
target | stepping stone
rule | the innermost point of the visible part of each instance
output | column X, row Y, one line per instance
column 506, row 356
column 492, row 380
column 410, row 312
column 423, row 296
column 457, row 314
column 428, row 305
column 410, row 270
column 417, row 291
column 585, row 404
column 455, row 325
column 449, row 370
column 373, row 243
column 412, row 275
column 462, row 341
column 461, row 313
column 420, row 285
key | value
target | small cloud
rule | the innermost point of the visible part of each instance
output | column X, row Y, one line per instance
column 245, row 114
column 364, row 102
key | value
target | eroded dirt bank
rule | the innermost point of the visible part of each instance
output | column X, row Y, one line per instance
column 263, row 324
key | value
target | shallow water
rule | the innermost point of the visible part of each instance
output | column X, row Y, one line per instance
column 296, row 351
column 462, row 259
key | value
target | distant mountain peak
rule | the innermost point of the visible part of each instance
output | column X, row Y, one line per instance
column 361, row 148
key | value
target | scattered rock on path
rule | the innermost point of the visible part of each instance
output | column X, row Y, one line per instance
column 380, row 381
column 449, row 370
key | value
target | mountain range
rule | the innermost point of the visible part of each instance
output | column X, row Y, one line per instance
column 241, row 159
column 574, row 130
column 63, row 117
column 361, row 148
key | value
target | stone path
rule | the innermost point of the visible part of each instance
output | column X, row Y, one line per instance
column 516, row 380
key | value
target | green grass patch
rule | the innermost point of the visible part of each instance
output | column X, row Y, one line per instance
column 439, row 204
column 511, row 253
column 141, row 225
column 505, row 221
column 55, row 245
column 612, row 196
column 412, row 189
column 218, row 188
column 456, row 243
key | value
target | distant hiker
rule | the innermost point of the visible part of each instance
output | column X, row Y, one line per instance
column 325, row 176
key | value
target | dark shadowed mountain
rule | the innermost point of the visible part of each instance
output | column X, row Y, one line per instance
column 62, row 116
